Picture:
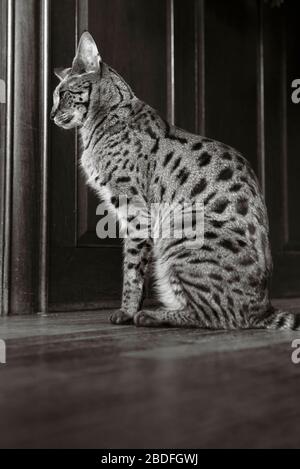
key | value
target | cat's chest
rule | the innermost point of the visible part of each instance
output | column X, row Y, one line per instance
column 90, row 165
column 97, row 178
column 95, row 175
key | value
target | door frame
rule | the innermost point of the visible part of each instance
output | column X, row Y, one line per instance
column 24, row 216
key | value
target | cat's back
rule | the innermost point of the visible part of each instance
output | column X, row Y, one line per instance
column 175, row 149
column 192, row 166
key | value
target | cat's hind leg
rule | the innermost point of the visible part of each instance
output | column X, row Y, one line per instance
column 176, row 310
column 191, row 293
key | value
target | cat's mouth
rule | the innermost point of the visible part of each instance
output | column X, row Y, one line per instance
column 63, row 121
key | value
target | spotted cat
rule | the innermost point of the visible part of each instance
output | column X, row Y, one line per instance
column 129, row 150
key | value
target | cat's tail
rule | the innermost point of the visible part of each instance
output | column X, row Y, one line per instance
column 277, row 320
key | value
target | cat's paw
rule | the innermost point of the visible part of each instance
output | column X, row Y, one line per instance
column 146, row 319
column 120, row 317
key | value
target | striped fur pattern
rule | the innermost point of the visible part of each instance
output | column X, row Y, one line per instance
column 128, row 149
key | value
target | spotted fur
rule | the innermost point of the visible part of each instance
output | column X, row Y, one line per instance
column 128, row 149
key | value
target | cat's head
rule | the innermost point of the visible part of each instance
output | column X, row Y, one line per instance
column 72, row 96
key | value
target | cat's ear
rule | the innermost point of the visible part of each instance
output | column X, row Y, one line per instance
column 87, row 57
column 61, row 73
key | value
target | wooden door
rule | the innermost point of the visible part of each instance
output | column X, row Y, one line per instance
column 221, row 69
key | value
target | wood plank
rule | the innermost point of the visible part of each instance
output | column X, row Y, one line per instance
column 95, row 385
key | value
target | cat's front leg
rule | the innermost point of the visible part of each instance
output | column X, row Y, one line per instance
column 136, row 257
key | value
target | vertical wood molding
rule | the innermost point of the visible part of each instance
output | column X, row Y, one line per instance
column 170, row 63
column 24, row 239
column 284, row 159
column 8, row 158
column 200, row 66
column 261, row 154
column 44, row 140
column 24, row 283
column 3, row 72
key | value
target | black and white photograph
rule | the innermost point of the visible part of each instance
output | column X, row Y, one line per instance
column 149, row 227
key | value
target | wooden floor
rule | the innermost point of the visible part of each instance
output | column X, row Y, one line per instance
column 73, row 380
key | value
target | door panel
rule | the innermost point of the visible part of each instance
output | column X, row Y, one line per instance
column 282, row 119
column 293, row 127
column 125, row 49
column 231, row 75
column 85, row 269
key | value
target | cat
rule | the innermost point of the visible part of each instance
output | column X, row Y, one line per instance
column 129, row 150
